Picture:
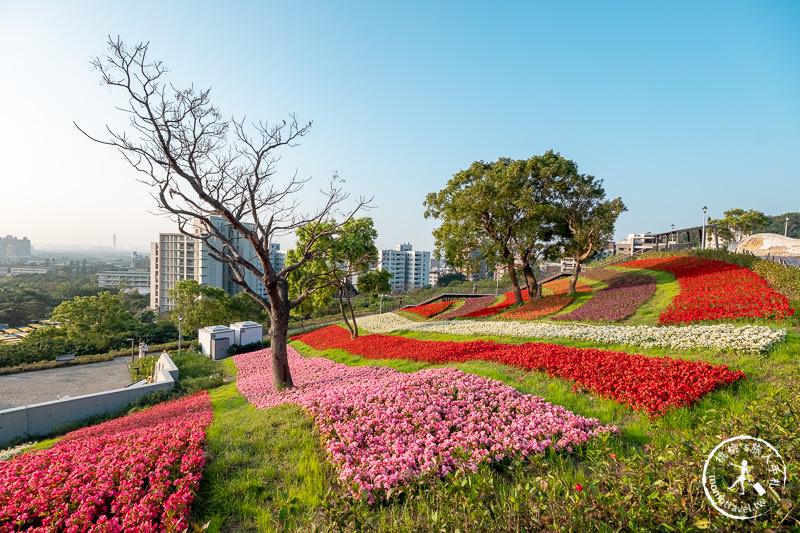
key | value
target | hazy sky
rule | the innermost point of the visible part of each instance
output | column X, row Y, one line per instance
column 673, row 104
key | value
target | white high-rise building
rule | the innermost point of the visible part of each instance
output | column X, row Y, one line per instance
column 410, row 269
column 176, row 257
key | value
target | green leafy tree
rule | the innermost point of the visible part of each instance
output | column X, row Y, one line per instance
column 478, row 212
column 98, row 319
column 590, row 218
column 737, row 224
column 345, row 251
column 199, row 305
column 375, row 282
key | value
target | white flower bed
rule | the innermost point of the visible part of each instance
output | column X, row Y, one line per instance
column 742, row 339
column 8, row 453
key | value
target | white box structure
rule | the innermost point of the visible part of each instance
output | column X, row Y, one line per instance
column 215, row 341
column 247, row 332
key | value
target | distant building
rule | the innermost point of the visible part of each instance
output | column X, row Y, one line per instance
column 133, row 279
column 29, row 270
column 139, row 261
column 176, row 257
column 636, row 243
column 410, row 269
column 13, row 248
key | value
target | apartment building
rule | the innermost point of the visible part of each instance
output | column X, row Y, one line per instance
column 138, row 280
column 177, row 257
column 410, row 268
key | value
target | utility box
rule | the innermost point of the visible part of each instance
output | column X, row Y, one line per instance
column 247, row 332
column 215, row 341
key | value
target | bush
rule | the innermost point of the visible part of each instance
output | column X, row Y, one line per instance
column 252, row 347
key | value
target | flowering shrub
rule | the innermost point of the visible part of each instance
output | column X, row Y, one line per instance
column 652, row 384
column 470, row 305
column 384, row 428
column 625, row 293
column 740, row 339
column 547, row 305
column 137, row 473
column 429, row 310
column 714, row 290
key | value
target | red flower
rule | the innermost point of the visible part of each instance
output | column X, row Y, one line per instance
column 578, row 487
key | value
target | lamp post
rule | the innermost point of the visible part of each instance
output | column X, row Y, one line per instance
column 703, row 243
column 180, row 333
column 132, row 360
column 786, row 227
column 676, row 238
column 380, row 311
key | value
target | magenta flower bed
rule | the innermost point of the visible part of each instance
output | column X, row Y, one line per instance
column 137, row 473
column 470, row 306
column 384, row 429
column 625, row 293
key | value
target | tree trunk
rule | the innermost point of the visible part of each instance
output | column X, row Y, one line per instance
column 340, row 294
column 354, row 333
column 512, row 273
column 279, row 331
column 533, row 286
column 573, row 281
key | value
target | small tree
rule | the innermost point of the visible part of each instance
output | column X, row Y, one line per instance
column 589, row 217
column 738, row 224
column 341, row 255
column 199, row 305
column 97, row 319
column 375, row 282
column 201, row 165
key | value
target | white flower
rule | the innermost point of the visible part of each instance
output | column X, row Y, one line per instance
column 741, row 339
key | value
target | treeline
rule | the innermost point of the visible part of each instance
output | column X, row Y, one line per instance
column 26, row 298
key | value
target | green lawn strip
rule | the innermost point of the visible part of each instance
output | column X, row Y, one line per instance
column 265, row 469
column 409, row 315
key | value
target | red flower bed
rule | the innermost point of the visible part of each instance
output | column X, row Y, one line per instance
column 507, row 302
column 714, row 290
column 428, row 310
column 547, row 305
column 651, row 384
column 137, row 473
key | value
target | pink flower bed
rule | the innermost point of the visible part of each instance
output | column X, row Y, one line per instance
column 385, row 428
column 137, row 473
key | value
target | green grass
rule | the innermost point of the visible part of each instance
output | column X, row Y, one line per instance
column 265, row 469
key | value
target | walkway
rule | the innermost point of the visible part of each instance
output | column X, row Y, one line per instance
column 26, row 388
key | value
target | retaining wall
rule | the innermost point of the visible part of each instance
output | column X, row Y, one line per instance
column 43, row 418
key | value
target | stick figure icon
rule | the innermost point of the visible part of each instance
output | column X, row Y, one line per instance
column 744, row 475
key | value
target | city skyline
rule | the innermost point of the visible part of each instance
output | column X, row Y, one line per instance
column 674, row 107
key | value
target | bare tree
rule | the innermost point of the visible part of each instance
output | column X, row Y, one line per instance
column 201, row 165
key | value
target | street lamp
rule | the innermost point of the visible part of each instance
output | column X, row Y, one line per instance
column 132, row 360
column 380, row 311
column 786, row 227
column 180, row 332
column 703, row 243
column 676, row 238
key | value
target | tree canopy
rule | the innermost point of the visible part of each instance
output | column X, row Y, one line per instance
column 517, row 212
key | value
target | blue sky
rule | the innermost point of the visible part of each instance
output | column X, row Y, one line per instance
column 675, row 105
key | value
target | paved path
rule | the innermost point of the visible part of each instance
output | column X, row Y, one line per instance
column 27, row 388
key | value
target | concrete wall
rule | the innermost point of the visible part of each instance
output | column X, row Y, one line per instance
column 43, row 418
